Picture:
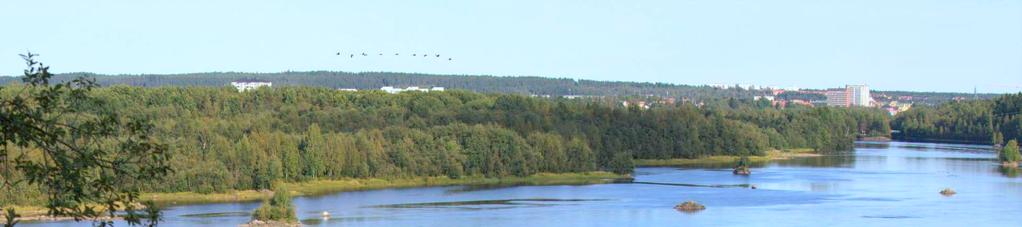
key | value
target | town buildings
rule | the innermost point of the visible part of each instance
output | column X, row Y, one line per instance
column 249, row 84
column 394, row 90
column 851, row 95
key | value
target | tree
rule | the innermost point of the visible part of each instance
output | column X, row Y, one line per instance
column 1010, row 153
column 997, row 139
column 621, row 163
column 313, row 149
column 277, row 208
column 89, row 160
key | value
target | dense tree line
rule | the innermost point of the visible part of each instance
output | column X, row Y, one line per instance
column 931, row 98
column 802, row 96
column 983, row 121
column 223, row 139
column 528, row 85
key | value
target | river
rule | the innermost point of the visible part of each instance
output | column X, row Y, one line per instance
column 879, row 184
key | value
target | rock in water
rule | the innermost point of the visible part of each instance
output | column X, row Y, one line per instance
column 742, row 171
column 947, row 192
column 689, row 206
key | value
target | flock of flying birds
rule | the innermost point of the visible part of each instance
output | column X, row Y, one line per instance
column 395, row 54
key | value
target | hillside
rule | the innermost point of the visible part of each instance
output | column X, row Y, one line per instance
column 528, row 85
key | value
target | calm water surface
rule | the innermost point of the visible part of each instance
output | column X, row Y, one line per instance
column 880, row 184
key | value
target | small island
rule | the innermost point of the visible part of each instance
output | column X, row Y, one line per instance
column 948, row 192
column 277, row 211
column 742, row 168
column 689, row 207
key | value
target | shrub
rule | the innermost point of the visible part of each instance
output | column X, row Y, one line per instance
column 278, row 208
column 1010, row 153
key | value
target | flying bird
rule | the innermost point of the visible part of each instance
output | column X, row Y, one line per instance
column 438, row 55
column 352, row 55
column 338, row 53
column 448, row 59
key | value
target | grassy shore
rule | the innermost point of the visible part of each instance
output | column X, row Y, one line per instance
column 724, row 159
column 320, row 187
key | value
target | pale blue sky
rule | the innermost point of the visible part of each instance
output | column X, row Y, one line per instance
column 926, row 45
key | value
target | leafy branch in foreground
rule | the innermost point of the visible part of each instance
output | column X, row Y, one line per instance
column 89, row 161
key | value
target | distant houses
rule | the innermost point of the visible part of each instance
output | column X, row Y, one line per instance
column 767, row 97
column 249, row 84
column 394, row 90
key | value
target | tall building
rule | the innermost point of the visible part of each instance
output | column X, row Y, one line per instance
column 858, row 95
column 851, row 95
column 837, row 97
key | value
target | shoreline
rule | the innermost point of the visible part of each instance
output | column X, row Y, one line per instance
column 323, row 187
column 771, row 155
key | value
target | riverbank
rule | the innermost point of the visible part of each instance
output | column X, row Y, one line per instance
column 728, row 159
column 320, row 187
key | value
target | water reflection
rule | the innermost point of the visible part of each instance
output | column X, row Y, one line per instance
column 830, row 160
column 495, row 186
column 873, row 145
column 218, row 214
column 1009, row 171
column 885, row 184
column 485, row 204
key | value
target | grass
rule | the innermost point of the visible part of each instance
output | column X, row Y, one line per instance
column 727, row 159
column 320, row 187
column 26, row 211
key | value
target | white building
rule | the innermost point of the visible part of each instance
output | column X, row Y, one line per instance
column 858, row 95
column 245, row 85
column 852, row 95
column 767, row 97
column 394, row 90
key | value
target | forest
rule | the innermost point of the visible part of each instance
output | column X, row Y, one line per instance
column 525, row 85
column 221, row 139
column 983, row 121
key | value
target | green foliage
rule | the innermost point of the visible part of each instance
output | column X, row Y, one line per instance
column 621, row 163
column 278, row 207
column 228, row 140
column 1010, row 152
column 526, row 85
column 743, row 162
column 985, row 121
column 10, row 218
column 245, row 140
column 87, row 159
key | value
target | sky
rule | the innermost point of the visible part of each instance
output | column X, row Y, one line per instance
column 915, row 45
